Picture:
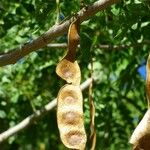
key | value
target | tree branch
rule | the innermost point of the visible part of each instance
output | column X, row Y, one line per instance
column 35, row 116
column 124, row 46
column 57, row 30
column 103, row 46
column 57, row 45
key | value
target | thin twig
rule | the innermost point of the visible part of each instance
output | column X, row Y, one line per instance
column 124, row 46
column 35, row 116
column 103, row 46
column 57, row 45
column 57, row 30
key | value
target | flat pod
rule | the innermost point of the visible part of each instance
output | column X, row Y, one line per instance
column 140, row 138
column 70, row 117
column 70, row 101
column 69, row 71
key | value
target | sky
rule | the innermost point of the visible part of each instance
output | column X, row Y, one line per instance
column 142, row 71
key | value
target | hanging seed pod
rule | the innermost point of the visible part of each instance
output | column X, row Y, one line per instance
column 69, row 101
column 70, row 117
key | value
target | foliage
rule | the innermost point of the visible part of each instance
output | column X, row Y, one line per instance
column 119, row 91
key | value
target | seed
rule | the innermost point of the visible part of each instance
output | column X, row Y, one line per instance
column 71, row 117
column 75, row 138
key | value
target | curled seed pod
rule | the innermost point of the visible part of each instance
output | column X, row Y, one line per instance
column 69, row 71
column 73, row 40
column 70, row 117
column 148, row 80
column 141, row 135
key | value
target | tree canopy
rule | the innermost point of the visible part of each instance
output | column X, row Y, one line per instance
column 116, row 38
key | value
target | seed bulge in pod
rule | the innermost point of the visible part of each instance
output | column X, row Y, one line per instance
column 71, row 118
column 70, row 95
column 70, row 100
column 69, row 71
column 75, row 139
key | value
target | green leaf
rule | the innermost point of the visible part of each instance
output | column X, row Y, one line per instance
column 144, row 24
column 115, row 11
column 134, row 26
column 2, row 114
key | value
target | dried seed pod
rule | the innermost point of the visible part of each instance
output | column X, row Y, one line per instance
column 69, row 71
column 69, row 100
column 73, row 40
column 148, row 80
column 141, row 135
column 70, row 117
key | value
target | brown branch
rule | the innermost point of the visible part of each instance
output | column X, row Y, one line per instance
column 57, row 30
column 35, row 116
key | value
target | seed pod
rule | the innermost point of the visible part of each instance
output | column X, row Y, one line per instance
column 141, row 135
column 148, row 80
column 69, row 101
column 70, row 117
column 69, row 71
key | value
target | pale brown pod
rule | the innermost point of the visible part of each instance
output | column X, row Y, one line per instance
column 70, row 117
column 69, row 71
column 140, row 138
column 69, row 101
